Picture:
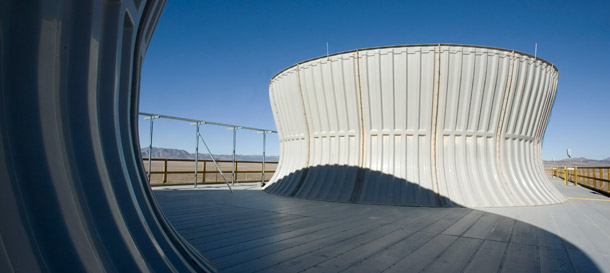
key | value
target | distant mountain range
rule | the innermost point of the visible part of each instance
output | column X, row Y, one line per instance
column 182, row 154
column 579, row 162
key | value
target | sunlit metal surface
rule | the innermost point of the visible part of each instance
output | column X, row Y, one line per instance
column 431, row 125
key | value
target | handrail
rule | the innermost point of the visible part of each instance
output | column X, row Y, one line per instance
column 203, row 170
column 205, row 122
column 590, row 177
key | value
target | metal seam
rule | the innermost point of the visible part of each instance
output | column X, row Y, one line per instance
column 304, row 115
column 434, row 118
column 360, row 112
column 359, row 180
column 500, row 129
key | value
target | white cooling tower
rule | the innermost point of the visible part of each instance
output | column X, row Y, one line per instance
column 422, row 125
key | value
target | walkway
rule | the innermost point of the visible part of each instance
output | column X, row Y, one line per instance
column 253, row 231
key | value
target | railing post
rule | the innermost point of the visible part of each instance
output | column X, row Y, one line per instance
column 594, row 178
column 264, row 151
column 204, row 172
column 235, row 169
column 234, row 144
column 601, row 176
column 165, row 170
column 150, row 149
column 150, row 144
column 196, row 150
column 575, row 176
column 565, row 175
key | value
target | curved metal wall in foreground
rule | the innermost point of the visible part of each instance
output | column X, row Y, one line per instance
column 429, row 125
column 73, row 193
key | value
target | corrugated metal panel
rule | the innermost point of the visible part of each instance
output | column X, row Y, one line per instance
column 294, row 138
column 329, row 94
column 73, row 193
column 472, row 88
column 416, row 125
column 397, row 88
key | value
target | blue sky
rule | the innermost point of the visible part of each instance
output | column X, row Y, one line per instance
column 213, row 60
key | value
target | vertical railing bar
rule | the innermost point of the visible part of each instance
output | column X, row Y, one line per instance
column 164, row 170
column 196, row 151
column 264, row 151
column 601, row 176
column 234, row 167
column 594, row 178
column 204, row 171
column 151, row 117
column 150, row 148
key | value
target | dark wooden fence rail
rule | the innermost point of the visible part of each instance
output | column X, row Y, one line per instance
column 182, row 171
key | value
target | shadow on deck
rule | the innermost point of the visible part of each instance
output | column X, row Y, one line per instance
column 253, row 231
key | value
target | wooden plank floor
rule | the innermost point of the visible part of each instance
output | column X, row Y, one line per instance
column 253, row 231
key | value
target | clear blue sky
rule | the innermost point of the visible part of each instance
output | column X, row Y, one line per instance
column 213, row 60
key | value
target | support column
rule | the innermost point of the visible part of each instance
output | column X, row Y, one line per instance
column 196, row 150
column 264, row 157
column 234, row 144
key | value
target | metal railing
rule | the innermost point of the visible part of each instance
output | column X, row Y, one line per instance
column 590, row 177
column 198, row 136
column 181, row 171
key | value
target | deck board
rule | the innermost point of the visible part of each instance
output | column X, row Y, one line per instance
column 456, row 256
column 331, row 250
column 488, row 258
column 393, row 254
column 427, row 254
column 253, row 231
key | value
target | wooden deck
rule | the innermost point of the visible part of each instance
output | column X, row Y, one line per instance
column 253, row 231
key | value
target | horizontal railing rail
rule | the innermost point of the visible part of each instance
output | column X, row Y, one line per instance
column 182, row 171
column 590, row 177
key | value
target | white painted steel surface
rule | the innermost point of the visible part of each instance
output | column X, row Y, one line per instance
column 431, row 125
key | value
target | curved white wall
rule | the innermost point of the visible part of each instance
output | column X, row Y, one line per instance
column 431, row 125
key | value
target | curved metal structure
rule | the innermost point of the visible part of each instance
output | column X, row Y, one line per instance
column 73, row 192
column 422, row 125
